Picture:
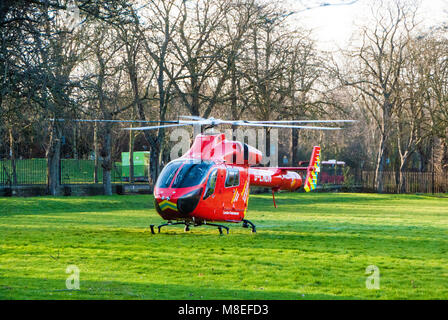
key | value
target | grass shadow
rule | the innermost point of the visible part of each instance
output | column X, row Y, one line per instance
column 34, row 288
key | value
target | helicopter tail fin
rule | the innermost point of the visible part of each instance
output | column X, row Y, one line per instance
column 313, row 170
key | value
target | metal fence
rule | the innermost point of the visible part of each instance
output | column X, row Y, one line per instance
column 34, row 172
column 23, row 172
column 83, row 172
column 414, row 182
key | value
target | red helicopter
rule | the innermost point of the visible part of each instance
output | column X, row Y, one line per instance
column 211, row 182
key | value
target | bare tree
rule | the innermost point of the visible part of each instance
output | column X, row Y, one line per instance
column 411, row 116
column 108, row 79
column 437, row 78
column 380, row 62
column 200, row 50
column 304, row 74
column 156, row 37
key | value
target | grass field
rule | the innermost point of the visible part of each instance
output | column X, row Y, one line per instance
column 314, row 246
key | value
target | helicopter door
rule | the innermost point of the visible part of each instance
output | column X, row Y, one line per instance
column 210, row 194
column 211, row 185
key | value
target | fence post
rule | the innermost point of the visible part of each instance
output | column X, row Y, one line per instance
column 96, row 152
column 2, row 173
column 432, row 151
column 60, row 171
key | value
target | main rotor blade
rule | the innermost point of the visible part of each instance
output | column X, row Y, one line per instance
column 124, row 121
column 192, row 117
column 158, row 127
column 304, row 121
column 249, row 124
column 216, row 122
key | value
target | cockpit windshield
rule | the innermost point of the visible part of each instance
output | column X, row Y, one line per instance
column 167, row 174
column 190, row 174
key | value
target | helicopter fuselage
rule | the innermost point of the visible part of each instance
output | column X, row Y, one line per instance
column 211, row 182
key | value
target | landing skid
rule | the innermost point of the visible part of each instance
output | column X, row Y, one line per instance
column 220, row 227
column 187, row 226
column 169, row 224
column 246, row 224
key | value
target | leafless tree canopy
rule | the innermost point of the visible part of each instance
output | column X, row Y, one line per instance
column 235, row 59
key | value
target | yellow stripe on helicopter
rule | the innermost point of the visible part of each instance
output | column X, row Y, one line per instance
column 165, row 204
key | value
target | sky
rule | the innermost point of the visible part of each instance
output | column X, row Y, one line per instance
column 334, row 24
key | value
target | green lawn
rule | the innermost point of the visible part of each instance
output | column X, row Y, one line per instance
column 313, row 246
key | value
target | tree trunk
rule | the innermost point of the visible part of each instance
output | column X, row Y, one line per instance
column 75, row 145
column 54, row 162
column 295, row 147
column 131, row 156
column 195, row 102
column 154, row 166
column 381, row 161
column 438, row 158
column 12, row 155
column 402, row 176
column 445, row 153
column 107, row 161
column 423, row 157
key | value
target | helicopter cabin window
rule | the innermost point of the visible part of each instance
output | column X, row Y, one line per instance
column 211, row 184
column 233, row 178
column 191, row 174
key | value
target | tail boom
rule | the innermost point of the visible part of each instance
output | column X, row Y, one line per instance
column 275, row 178
column 286, row 178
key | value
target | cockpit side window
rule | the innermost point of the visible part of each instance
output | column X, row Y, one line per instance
column 229, row 178
column 236, row 179
column 211, row 184
column 233, row 178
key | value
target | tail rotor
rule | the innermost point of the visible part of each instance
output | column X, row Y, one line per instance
column 313, row 170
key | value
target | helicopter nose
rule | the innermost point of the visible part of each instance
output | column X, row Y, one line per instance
column 165, row 195
column 166, row 201
column 165, row 205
